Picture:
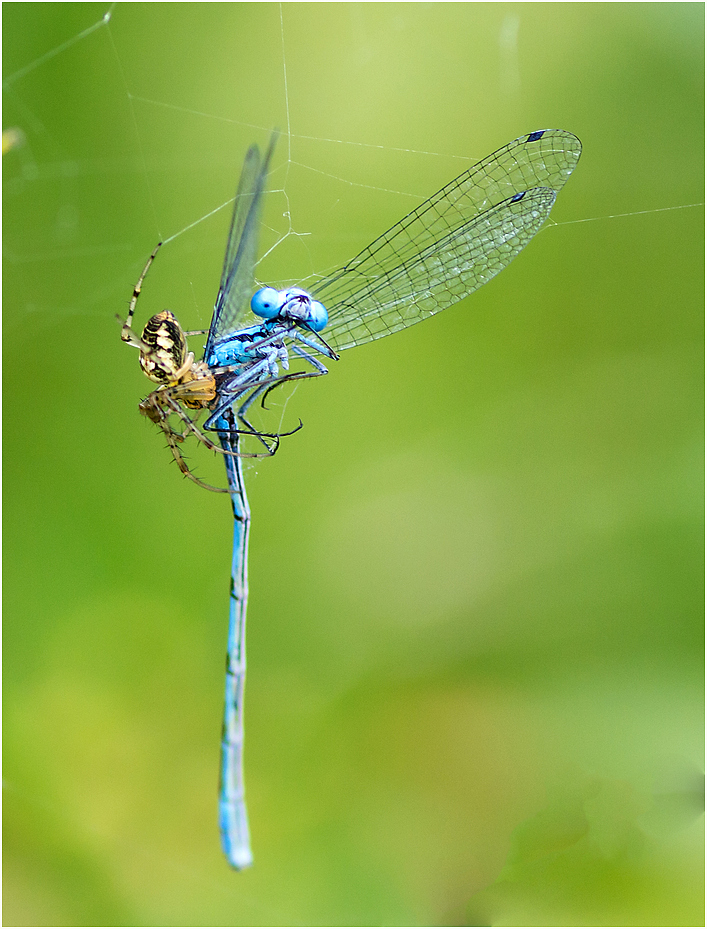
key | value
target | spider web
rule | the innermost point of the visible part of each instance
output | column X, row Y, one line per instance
column 305, row 254
column 85, row 208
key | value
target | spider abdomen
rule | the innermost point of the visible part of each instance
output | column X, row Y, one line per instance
column 168, row 348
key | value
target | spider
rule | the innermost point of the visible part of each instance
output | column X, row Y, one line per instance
column 184, row 382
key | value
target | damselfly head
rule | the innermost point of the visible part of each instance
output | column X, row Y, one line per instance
column 293, row 304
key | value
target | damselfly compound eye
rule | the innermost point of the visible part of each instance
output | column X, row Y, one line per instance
column 266, row 303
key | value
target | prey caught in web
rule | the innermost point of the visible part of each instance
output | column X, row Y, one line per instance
column 439, row 253
column 435, row 256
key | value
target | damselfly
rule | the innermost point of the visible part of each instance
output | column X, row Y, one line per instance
column 435, row 256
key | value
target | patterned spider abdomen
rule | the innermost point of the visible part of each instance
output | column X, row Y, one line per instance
column 168, row 348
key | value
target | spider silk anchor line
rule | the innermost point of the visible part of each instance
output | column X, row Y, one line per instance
column 435, row 256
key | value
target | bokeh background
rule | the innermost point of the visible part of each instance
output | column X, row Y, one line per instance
column 475, row 625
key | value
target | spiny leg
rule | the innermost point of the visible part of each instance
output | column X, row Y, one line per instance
column 228, row 405
column 263, row 388
column 161, row 404
column 250, row 429
column 226, row 402
column 181, row 463
column 191, row 427
column 154, row 408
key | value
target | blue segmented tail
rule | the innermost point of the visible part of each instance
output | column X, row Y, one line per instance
column 233, row 817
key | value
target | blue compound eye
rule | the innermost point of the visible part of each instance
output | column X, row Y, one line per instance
column 318, row 316
column 266, row 303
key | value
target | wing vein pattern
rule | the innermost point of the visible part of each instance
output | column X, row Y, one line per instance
column 236, row 289
column 452, row 243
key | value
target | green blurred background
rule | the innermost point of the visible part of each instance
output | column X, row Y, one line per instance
column 475, row 626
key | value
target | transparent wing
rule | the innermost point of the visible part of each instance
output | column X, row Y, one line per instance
column 452, row 243
column 236, row 289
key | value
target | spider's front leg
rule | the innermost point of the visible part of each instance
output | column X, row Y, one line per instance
column 127, row 334
column 163, row 344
